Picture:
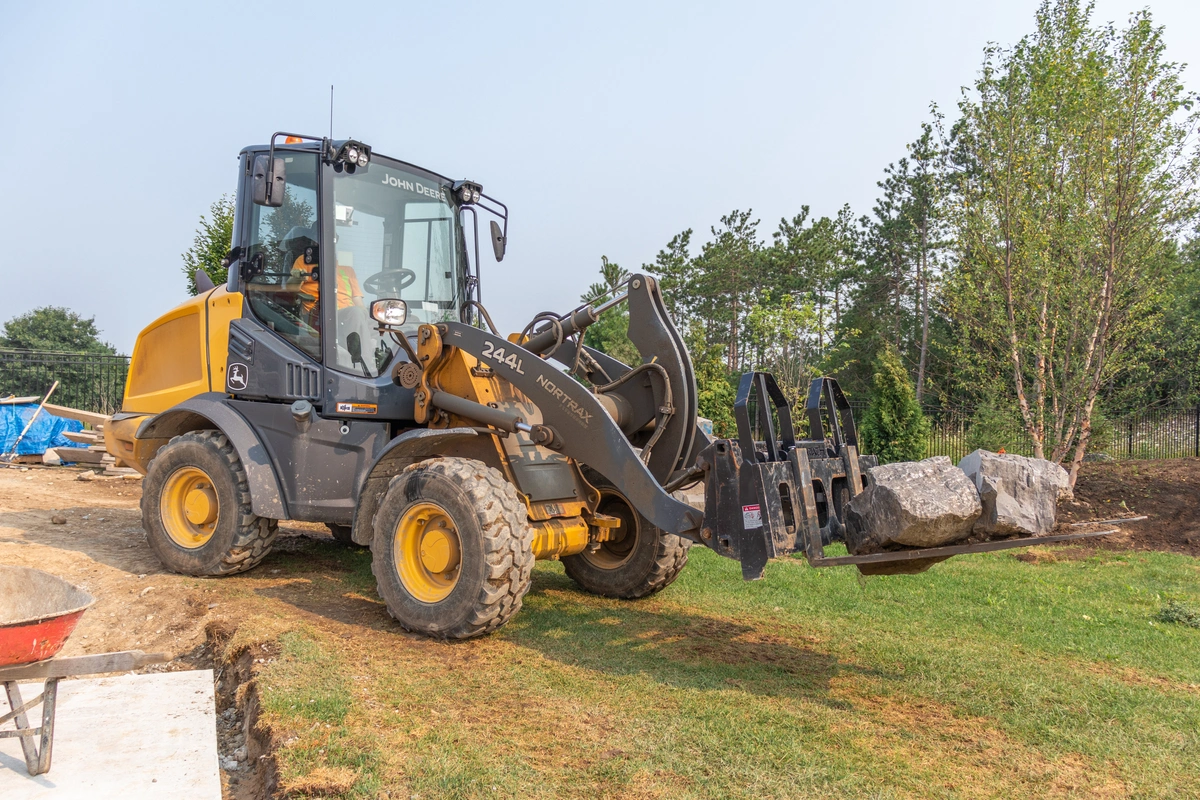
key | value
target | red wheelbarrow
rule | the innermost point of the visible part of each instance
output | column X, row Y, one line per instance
column 38, row 611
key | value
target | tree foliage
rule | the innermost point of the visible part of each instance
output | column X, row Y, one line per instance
column 211, row 243
column 1075, row 168
column 1028, row 259
column 56, row 329
column 894, row 427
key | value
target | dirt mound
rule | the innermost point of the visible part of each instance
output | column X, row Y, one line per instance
column 1167, row 492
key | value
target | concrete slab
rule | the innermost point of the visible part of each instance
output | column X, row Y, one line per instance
column 123, row 737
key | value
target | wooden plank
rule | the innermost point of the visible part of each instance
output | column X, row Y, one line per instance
column 122, row 661
column 18, row 401
column 83, row 437
column 87, row 417
column 81, row 455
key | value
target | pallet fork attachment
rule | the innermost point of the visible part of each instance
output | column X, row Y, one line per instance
column 771, row 497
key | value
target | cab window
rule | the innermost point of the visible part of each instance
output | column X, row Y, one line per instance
column 282, row 285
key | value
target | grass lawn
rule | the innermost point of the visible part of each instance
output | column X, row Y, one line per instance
column 987, row 676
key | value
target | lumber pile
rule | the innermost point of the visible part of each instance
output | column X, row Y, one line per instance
column 94, row 455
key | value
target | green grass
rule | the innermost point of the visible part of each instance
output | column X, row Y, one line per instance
column 984, row 677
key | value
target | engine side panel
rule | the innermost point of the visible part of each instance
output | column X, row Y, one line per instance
column 182, row 353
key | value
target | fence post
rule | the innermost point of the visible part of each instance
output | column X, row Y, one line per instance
column 1198, row 430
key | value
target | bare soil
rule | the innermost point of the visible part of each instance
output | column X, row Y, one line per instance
column 99, row 545
column 1166, row 492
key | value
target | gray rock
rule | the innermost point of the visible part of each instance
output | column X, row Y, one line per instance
column 1019, row 495
column 912, row 503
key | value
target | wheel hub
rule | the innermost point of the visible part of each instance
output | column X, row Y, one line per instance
column 427, row 552
column 201, row 505
column 189, row 507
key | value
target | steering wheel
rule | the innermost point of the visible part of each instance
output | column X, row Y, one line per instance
column 390, row 281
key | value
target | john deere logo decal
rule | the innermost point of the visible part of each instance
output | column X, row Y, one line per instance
column 238, row 376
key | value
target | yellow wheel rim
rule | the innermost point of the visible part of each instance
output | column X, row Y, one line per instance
column 189, row 507
column 427, row 552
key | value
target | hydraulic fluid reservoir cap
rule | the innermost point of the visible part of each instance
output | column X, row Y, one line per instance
column 302, row 411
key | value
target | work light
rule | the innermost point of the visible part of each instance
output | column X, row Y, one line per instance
column 468, row 192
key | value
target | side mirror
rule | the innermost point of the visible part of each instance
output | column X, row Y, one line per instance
column 389, row 313
column 499, row 241
column 268, row 181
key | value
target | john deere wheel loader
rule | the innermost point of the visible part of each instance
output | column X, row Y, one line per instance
column 348, row 374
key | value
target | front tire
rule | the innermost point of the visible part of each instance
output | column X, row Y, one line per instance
column 453, row 549
column 196, row 508
column 643, row 560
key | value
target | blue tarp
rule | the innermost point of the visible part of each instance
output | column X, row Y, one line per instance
column 46, row 432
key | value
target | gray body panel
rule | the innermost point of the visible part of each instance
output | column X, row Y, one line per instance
column 318, row 468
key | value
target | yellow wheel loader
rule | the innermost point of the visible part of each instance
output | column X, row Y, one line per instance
column 348, row 374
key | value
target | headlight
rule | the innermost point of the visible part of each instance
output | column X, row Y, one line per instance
column 352, row 155
column 465, row 194
column 362, row 159
column 391, row 313
column 475, row 195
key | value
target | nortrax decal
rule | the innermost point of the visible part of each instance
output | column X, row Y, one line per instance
column 582, row 414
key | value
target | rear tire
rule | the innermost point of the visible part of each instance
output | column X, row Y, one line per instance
column 196, row 508
column 453, row 549
column 643, row 561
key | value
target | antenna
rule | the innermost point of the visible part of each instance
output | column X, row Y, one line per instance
column 331, row 112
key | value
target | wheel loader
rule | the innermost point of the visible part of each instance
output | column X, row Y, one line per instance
column 349, row 374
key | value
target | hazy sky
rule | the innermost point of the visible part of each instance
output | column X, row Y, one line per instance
column 607, row 128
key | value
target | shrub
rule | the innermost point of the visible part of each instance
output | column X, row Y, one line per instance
column 894, row 428
column 1180, row 614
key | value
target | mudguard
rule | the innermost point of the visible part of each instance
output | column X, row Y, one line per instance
column 211, row 410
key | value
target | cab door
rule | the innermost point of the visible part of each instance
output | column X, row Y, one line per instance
column 275, row 349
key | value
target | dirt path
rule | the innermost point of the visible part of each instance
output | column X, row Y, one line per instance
column 139, row 606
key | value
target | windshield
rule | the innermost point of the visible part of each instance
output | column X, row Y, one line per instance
column 397, row 236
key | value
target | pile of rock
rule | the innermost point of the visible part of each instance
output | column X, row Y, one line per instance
column 933, row 502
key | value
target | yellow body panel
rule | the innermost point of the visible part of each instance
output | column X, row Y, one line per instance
column 182, row 353
column 179, row 355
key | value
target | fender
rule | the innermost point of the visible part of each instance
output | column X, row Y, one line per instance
column 210, row 410
column 408, row 448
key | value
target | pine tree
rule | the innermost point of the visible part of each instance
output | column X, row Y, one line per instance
column 894, row 427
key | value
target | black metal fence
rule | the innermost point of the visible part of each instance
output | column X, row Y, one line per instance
column 87, row 381
column 1150, row 433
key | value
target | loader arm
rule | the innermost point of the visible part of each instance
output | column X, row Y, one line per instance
column 577, row 423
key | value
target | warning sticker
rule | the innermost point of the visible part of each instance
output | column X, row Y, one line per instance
column 357, row 408
column 751, row 517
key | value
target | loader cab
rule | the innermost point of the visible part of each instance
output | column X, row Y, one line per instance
column 335, row 237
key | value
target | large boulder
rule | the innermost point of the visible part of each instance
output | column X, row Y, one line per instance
column 912, row 503
column 1019, row 494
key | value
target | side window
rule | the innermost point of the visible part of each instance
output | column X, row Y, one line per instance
column 282, row 286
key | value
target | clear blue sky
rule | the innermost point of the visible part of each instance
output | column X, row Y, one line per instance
column 607, row 128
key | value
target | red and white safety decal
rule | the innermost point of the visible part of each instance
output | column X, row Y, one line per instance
column 751, row 517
